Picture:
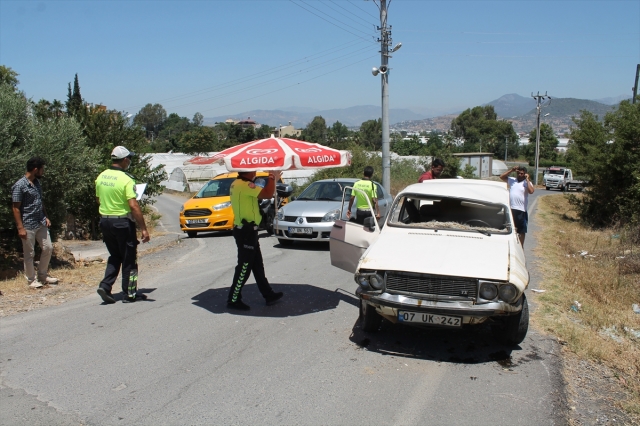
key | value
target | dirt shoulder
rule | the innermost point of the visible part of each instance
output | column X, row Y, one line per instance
column 590, row 281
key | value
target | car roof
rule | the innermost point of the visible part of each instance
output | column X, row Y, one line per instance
column 235, row 175
column 339, row 180
column 470, row 189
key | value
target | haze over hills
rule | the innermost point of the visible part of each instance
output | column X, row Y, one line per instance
column 350, row 117
column 520, row 110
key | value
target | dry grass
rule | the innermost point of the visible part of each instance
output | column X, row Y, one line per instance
column 601, row 271
column 75, row 282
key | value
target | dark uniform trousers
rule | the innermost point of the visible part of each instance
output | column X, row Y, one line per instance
column 249, row 260
column 361, row 215
column 119, row 235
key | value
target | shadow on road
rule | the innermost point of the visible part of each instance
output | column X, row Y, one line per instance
column 473, row 345
column 299, row 299
column 304, row 245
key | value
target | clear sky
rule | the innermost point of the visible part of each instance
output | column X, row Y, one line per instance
column 226, row 57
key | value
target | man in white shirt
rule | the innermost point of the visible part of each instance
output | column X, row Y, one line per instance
column 519, row 189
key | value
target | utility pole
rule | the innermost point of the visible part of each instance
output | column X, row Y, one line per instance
column 539, row 98
column 505, row 148
column 385, row 40
column 635, row 86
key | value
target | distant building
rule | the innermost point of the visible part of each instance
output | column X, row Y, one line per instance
column 289, row 130
column 481, row 161
column 248, row 123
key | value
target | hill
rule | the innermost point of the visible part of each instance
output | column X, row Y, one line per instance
column 560, row 112
column 350, row 117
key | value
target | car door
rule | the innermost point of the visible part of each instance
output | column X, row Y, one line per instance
column 349, row 240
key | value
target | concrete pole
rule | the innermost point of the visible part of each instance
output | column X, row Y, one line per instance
column 505, row 149
column 535, row 182
column 384, row 51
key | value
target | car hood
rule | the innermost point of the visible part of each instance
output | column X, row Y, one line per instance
column 461, row 254
column 310, row 208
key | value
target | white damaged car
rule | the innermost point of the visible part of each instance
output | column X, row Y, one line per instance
column 447, row 255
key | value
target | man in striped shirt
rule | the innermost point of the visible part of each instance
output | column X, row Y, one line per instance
column 32, row 222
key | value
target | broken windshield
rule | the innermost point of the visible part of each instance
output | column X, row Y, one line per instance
column 420, row 211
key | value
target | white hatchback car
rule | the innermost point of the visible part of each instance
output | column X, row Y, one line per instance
column 447, row 256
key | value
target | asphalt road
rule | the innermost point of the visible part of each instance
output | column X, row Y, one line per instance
column 181, row 358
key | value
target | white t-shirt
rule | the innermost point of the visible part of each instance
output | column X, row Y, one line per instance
column 518, row 193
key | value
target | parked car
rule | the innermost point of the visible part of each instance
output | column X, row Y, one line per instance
column 210, row 209
column 447, row 256
column 310, row 216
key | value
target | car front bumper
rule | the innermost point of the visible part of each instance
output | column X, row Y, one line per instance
column 388, row 306
column 320, row 231
column 215, row 222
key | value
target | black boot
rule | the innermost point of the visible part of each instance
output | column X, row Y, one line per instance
column 273, row 298
column 238, row 305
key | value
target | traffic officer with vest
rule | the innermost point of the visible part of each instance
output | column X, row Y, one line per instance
column 367, row 187
column 245, row 192
column 115, row 190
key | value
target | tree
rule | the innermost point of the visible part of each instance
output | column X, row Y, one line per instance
column 198, row 141
column 198, row 119
column 9, row 77
column 371, row 134
column 71, row 165
column 151, row 118
column 75, row 103
column 548, row 144
column 316, row 131
column 408, row 146
column 337, row 135
column 607, row 155
column 480, row 129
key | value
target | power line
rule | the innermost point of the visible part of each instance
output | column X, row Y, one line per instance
column 365, row 11
column 259, row 74
column 260, row 84
column 291, row 85
column 324, row 19
column 354, row 14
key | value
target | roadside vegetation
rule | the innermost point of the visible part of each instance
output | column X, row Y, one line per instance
column 591, row 282
column 590, row 247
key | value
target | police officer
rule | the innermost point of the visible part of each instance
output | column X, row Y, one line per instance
column 367, row 187
column 245, row 192
column 115, row 190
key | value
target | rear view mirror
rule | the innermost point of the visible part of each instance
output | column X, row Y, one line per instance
column 283, row 190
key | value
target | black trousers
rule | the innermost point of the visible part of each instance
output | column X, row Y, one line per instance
column 249, row 260
column 361, row 215
column 119, row 235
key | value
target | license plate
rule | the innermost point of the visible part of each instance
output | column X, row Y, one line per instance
column 421, row 318
column 190, row 221
column 293, row 230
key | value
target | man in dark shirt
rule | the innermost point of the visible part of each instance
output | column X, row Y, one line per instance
column 32, row 222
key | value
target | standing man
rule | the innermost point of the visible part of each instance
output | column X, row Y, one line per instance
column 115, row 190
column 367, row 186
column 245, row 192
column 519, row 189
column 437, row 166
column 32, row 222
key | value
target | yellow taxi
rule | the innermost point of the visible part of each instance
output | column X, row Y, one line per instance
column 210, row 209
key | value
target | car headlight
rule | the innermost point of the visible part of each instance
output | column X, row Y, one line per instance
column 508, row 293
column 488, row 291
column 181, row 208
column 280, row 214
column 370, row 279
column 331, row 216
column 222, row 205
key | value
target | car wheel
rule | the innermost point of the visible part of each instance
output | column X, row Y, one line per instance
column 547, row 188
column 513, row 329
column 268, row 226
column 192, row 234
column 284, row 242
column 369, row 318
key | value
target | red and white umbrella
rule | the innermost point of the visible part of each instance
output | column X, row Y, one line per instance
column 281, row 154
